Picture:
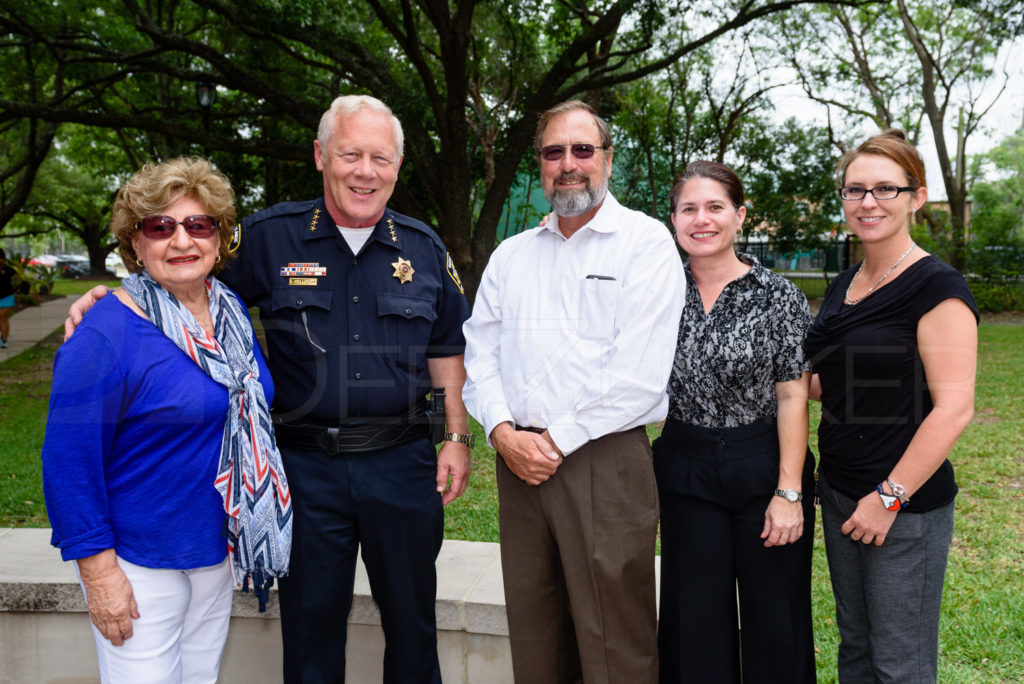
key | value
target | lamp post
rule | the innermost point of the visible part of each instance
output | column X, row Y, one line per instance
column 206, row 93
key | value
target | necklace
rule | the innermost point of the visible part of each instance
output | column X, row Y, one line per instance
column 892, row 268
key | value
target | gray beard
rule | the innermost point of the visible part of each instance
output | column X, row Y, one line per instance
column 576, row 202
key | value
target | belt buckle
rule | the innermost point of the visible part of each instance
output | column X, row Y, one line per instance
column 329, row 440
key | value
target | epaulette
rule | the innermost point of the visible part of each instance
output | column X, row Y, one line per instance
column 252, row 222
column 280, row 209
column 417, row 225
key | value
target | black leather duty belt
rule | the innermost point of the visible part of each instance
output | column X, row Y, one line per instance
column 356, row 436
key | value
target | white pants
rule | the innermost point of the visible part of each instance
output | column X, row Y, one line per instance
column 180, row 634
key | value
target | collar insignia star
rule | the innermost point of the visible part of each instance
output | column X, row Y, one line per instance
column 403, row 270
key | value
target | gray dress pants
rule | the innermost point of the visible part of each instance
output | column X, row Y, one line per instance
column 887, row 597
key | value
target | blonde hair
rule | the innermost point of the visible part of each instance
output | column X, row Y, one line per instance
column 155, row 187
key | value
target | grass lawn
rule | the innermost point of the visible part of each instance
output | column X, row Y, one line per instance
column 982, row 628
column 66, row 286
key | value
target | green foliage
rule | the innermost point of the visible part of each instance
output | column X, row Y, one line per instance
column 468, row 79
column 31, row 280
column 995, row 297
column 996, row 263
column 665, row 121
column 788, row 172
column 997, row 217
column 712, row 106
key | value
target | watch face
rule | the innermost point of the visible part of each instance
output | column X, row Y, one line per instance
column 791, row 495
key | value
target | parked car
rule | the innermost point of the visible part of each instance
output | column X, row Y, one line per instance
column 73, row 265
column 49, row 260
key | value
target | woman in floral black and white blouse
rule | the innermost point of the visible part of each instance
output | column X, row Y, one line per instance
column 732, row 462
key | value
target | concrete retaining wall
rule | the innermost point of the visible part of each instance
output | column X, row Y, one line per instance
column 45, row 635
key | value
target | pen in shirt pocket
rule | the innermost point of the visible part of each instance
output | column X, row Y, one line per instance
column 594, row 276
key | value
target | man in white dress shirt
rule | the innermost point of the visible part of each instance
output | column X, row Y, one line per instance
column 568, row 352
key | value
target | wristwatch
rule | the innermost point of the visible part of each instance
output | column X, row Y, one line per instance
column 466, row 439
column 899, row 492
column 790, row 495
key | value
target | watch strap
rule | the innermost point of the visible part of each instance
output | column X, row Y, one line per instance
column 459, row 437
column 787, row 495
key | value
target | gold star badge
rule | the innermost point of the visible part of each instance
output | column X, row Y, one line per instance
column 403, row 270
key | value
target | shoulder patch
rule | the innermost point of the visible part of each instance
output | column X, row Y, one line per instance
column 236, row 238
column 454, row 274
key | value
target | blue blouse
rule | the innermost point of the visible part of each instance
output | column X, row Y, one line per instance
column 132, row 445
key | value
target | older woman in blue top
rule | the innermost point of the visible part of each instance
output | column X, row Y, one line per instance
column 161, row 477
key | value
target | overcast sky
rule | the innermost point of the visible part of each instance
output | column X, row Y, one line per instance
column 1003, row 119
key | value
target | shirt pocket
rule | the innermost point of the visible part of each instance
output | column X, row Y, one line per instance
column 406, row 323
column 597, row 302
column 302, row 319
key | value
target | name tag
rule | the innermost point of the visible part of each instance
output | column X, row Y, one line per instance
column 302, row 281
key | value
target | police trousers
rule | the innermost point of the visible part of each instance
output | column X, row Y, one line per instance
column 386, row 502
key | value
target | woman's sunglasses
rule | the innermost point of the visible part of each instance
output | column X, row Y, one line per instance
column 160, row 227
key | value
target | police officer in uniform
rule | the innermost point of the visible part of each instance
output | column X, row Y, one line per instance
column 363, row 311
column 357, row 335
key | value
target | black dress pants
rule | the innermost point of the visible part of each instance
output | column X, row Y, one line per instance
column 385, row 501
column 714, row 486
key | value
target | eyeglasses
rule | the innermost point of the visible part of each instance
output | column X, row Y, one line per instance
column 882, row 192
column 579, row 150
column 160, row 227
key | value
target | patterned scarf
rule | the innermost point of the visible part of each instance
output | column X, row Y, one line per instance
column 250, row 476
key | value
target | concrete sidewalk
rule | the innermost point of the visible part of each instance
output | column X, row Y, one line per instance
column 32, row 324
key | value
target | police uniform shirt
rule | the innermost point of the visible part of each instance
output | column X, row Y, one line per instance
column 348, row 335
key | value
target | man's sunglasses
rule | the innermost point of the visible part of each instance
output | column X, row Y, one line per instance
column 160, row 227
column 579, row 150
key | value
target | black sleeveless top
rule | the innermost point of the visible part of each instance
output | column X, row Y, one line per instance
column 874, row 389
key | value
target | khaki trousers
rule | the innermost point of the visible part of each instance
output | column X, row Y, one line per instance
column 577, row 555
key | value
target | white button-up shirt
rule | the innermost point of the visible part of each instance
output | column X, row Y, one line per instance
column 576, row 335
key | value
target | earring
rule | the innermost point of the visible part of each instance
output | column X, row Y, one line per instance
column 138, row 262
column 217, row 260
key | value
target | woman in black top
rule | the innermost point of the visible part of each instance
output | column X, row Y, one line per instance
column 6, row 299
column 894, row 351
column 732, row 462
